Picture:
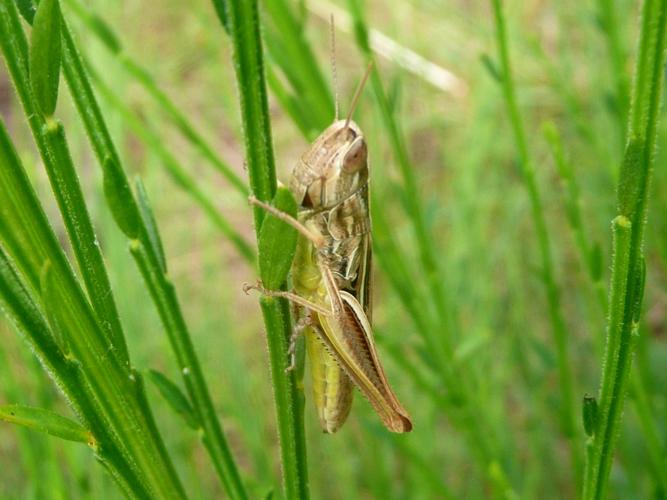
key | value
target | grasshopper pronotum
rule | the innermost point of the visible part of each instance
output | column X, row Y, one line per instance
column 331, row 275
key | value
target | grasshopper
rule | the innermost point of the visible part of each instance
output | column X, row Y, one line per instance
column 331, row 276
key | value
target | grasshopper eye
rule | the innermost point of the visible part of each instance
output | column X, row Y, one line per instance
column 356, row 155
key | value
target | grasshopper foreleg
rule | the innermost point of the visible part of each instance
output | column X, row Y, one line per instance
column 315, row 239
column 291, row 296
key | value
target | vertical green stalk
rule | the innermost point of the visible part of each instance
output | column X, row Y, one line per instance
column 551, row 287
column 244, row 26
column 628, row 271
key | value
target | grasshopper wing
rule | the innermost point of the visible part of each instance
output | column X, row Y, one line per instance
column 347, row 334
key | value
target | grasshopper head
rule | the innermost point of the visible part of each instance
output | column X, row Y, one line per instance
column 335, row 167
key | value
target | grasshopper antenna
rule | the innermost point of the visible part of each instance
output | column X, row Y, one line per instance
column 334, row 73
column 357, row 93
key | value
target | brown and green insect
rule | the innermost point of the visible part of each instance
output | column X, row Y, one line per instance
column 331, row 276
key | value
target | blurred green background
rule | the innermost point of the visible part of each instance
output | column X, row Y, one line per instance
column 477, row 212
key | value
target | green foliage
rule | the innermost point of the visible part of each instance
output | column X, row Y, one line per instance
column 628, row 274
column 490, row 199
column 276, row 242
column 45, row 56
column 249, row 67
column 119, row 198
column 46, row 421
column 175, row 397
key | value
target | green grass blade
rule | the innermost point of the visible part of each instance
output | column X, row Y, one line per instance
column 109, row 382
column 626, row 284
column 249, row 65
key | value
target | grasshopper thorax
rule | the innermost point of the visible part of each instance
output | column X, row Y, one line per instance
column 334, row 168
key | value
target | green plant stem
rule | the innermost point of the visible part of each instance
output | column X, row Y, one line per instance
column 539, row 221
column 164, row 296
column 168, row 307
column 646, row 415
column 627, row 281
column 106, row 35
column 249, row 65
column 622, row 230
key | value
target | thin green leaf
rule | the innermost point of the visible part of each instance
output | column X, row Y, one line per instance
column 589, row 414
column 46, row 421
column 221, row 11
column 45, row 56
column 149, row 223
column 277, row 242
column 119, row 197
column 27, row 9
column 175, row 397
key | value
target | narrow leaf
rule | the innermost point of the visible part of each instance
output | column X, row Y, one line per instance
column 589, row 414
column 175, row 397
column 640, row 283
column 106, row 34
column 46, row 421
column 221, row 11
column 277, row 242
column 45, row 56
column 149, row 223
column 120, row 199
column 27, row 9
